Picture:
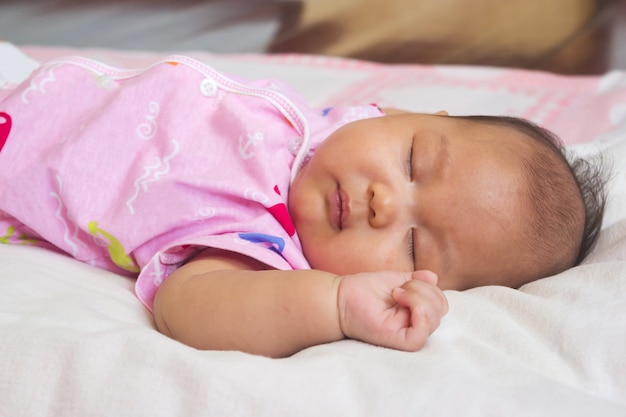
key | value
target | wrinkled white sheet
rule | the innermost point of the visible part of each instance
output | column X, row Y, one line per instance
column 74, row 340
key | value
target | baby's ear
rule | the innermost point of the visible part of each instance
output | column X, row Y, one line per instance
column 441, row 113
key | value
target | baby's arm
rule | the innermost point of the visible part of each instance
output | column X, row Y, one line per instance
column 225, row 301
column 222, row 300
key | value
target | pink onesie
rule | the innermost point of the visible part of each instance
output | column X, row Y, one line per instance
column 136, row 171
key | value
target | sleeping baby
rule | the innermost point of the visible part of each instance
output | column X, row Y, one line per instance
column 253, row 222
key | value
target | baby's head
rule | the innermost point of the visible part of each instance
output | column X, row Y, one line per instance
column 563, row 198
column 478, row 200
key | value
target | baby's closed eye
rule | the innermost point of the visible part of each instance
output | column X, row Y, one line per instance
column 411, row 247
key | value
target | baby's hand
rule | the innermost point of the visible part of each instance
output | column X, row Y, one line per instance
column 391, row 309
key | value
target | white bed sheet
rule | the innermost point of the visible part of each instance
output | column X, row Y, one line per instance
column 74, row 340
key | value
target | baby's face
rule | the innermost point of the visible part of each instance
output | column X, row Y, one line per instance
column 414, row 191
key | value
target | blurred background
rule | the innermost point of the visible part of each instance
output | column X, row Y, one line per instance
column 563, row 36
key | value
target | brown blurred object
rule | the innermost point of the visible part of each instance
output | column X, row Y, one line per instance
column 564, row 36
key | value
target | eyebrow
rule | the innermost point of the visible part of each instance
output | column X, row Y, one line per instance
column 443, row 247
column 443, row 155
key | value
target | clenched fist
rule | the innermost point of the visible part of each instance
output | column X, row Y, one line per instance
column 398, row 310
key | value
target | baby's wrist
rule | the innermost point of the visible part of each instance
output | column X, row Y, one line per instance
column 340, row 305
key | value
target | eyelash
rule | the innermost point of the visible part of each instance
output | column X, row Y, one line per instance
column 409, row 169
column 411, row 247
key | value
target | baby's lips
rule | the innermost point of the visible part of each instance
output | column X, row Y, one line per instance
column 5, row 128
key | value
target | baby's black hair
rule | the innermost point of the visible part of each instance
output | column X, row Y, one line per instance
column 566, row 194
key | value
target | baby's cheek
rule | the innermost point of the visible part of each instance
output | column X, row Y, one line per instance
column 345, row 259
column 317, row 255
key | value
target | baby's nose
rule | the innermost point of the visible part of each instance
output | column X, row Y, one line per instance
column 383, row 205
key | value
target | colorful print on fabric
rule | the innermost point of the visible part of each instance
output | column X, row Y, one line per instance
column 273, row 243
column 10, row 238
column 116, row 250
column 5, row 128
column 281, row 214
column 9, row 233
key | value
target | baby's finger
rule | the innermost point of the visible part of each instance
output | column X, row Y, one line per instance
column 413, row 335
column 426, row 302
column 425, row 276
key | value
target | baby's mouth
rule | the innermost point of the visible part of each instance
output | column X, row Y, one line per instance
column 342, row 207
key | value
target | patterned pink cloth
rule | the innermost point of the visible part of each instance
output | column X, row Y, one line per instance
column 137, row 170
